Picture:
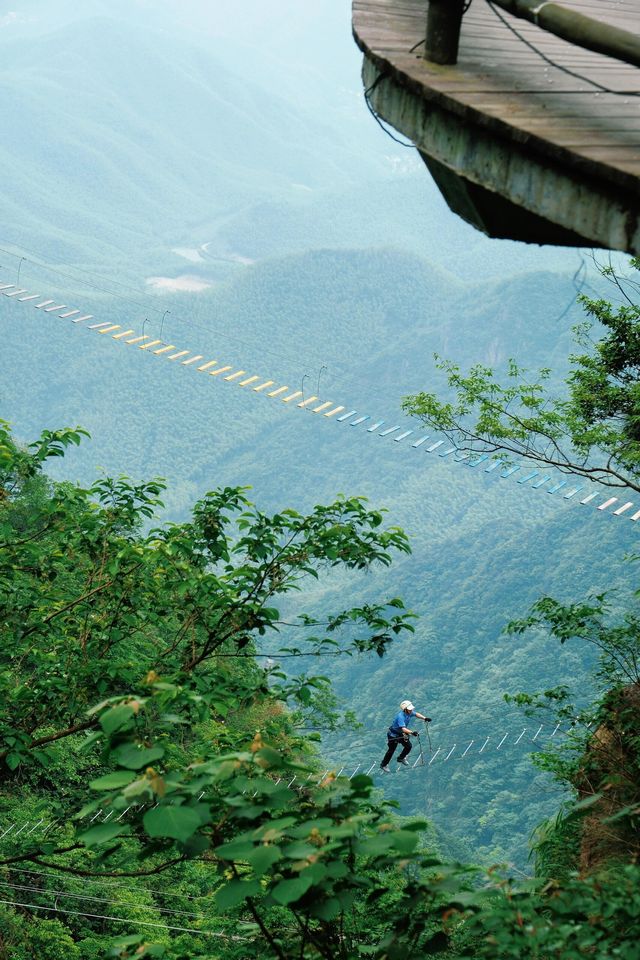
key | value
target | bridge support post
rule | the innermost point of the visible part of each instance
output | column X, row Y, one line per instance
column 444, row 20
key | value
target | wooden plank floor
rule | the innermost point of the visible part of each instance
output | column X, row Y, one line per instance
column 563, row 101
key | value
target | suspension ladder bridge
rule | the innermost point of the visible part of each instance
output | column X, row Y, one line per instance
column 566, row 486
column 49, row 892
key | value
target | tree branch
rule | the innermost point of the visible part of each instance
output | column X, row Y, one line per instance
column 76, row 728
column 73, row 603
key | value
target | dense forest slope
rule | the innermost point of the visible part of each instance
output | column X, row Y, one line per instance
column 261, row 167
column 484, row 548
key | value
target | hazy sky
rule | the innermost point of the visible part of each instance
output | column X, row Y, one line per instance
column 276, row 24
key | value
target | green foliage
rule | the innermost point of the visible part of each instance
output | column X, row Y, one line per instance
column 153, row 709
column 594, row 917
column 616, row 636
column 592, row 431
column 160, row 627
column 24, row 938
column 91, row 605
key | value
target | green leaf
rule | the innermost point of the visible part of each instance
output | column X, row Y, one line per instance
column 89, row 741
column 328, row 909
column 177, row 823
column 235, row 892
column 404, row 841
column 116, row 718
column 288, row 891
column 102, row 833
column 134, row 757
column 112, row 781
column 196, row 845
column 137, row 787
column 271, row 757
column 263, row 858
column 13, row 760
column 375, row 846
column 236, row 850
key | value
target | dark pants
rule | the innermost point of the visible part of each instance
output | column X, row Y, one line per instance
column 393, row 744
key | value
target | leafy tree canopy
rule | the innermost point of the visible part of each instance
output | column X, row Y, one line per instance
column 591, row 429
column 137, row 716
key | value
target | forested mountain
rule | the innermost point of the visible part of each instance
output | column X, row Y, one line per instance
column 177, row 174
column 483, row 548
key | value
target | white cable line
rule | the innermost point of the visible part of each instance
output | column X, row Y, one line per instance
column 434, row 756
column 84, row 896
column 107, row 882
column 450, row 752
column 138, row 923
column 521, row 735
column 502, row 741
column 484, row 744
column 467, row 750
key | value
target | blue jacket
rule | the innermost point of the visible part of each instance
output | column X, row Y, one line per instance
column 403, row 719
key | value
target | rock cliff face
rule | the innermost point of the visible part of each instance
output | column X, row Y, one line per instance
column 611, row 830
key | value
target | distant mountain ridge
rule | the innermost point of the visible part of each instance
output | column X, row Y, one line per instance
column 124, row 134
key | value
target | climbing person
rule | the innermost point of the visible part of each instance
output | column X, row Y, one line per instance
column 399, row 732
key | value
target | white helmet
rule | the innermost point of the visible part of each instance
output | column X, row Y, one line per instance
column 406, row 705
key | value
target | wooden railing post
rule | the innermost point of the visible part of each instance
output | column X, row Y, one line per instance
column 444, row 20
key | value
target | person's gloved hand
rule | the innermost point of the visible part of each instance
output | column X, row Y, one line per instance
column 427, row 719
column 414, row 733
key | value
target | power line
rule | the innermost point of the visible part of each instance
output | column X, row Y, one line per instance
column 107, row 882
column 88, row 897
column 138, row 923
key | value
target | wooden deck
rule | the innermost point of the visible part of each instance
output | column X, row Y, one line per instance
column 506, row 91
